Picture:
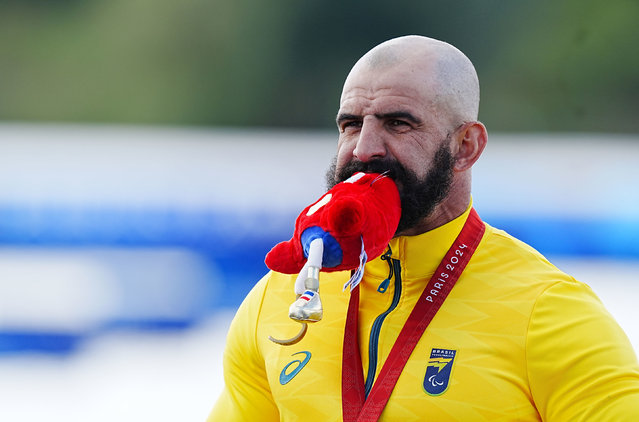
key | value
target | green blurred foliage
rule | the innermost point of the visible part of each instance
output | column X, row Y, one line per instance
column 544, row 65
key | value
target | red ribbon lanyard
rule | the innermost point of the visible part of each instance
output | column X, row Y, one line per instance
column 357, row 408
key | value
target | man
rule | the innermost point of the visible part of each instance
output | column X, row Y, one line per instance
column 512, row 339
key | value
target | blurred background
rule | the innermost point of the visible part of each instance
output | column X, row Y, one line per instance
column 151, row 153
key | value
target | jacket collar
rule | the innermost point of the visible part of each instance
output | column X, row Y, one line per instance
column 421, row 254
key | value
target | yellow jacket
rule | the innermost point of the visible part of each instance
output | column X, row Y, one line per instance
column 522, row 340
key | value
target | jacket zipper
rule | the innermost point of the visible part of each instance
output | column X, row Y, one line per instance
column 396, row 270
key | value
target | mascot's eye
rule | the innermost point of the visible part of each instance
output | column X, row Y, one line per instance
column 319, row 204
column 354, row 178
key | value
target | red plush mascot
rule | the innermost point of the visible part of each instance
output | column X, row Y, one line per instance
column 352, row 222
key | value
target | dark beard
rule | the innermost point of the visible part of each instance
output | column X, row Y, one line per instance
column 418, row 197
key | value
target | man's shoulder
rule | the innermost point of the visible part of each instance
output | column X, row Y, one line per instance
column 501, row 243
column 500, row 238
column 503, row 253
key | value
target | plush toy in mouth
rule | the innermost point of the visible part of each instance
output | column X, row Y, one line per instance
column 351, row 223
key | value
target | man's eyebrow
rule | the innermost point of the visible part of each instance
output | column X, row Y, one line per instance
column 346, row 116
column 382, row 116
column 399, row 115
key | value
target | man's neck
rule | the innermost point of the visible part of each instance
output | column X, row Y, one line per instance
column 446, row 211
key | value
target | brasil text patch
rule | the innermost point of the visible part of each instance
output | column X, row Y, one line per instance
column 440, row 365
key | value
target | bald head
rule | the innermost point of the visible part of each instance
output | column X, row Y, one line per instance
column 437, row 68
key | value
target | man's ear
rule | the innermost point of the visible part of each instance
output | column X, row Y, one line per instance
column 471, row 141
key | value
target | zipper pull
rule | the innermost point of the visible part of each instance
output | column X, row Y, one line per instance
column 383, row 286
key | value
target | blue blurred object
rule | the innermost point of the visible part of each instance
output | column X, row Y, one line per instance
column 105, row 229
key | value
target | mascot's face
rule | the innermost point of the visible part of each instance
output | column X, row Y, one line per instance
column 361, row 213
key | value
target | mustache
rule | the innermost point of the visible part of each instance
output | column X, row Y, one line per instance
column 390, row 168
column 419, row 195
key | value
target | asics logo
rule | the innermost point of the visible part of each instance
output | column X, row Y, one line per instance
column 286, row 376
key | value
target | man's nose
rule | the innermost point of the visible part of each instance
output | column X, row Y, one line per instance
column 370, row 143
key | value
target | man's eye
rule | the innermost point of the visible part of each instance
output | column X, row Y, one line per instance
column 398, row 123
column 351, row 124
